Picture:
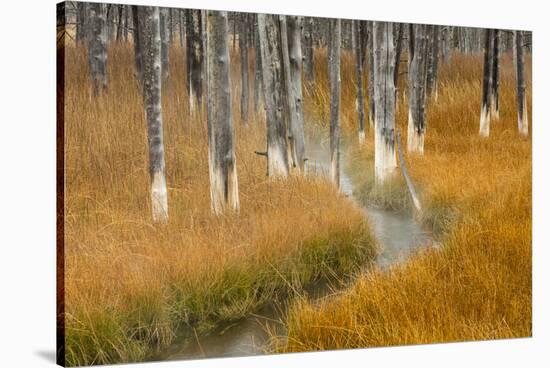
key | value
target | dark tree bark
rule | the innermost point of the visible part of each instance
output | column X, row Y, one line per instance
column 523, row 121
column 257, row 69
column 398, row 48
column 385, row 160
column 495, row 76
column 433, row 62
column 243, row 49
column 360, row 102
column 272, row 78
column 81, row 22
column 137, row 27
column 119, row 24
column 370, row 85
column 417, row 89
column 485, row 119
column 224, row 189
column 181, row 13
column 308, row 49
column 194, row 58
column 152, row 86
column 334, row 82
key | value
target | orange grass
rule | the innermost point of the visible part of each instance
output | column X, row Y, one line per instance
column 477, row 283
column 131, row 285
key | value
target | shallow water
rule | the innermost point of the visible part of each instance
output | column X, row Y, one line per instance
column 397, row 233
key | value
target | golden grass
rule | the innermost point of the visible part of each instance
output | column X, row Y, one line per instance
column 477, row 284
column 131, row 285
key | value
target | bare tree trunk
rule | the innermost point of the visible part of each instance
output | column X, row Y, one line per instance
column 164, row 14
column 385, row 160
column 360, row 102
column 97, row 47
column 137, row 41
column 292, row 67
column 433, row 62
column 485, row 119
column 272, row 77
column 126, row 22
column 182, row 26
column 243, row 49
column 194, row 59
column 171, row 26
column 258, row 69
column 410, row 48
column 370, row 86
column 334, row 82
column 152, row 87
column 523, row 119
column 224, row 188
column 417, row 92
column 398, row 48
column 119, row 25
column 308, row 49
column 81, row 22
column 495, row 76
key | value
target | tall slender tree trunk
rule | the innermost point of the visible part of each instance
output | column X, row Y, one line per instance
column 417, row 90
column 243, row 49
column 370, row 86
column 523, row 120
column 433, row 62
column 97, row 47
column 126, row 22
column 137, row 29
column 360, row 102
column 334, row 82
column 485, row 118
column 308, row 49
column 194, row 58
column 224, row 188
column 495, row 76
column 164, row 20
column 119, row 23
column 398, row 48
column 257, row 69
column 81, row 22
column 152, row 87
column 385, row 160
column 292, row 61
column 272, row 77
column 182, row 26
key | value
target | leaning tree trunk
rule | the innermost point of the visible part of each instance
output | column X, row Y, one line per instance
column 97, row 47
column 358, row 52
column 495, row 76
column 292, row 61
column 243, row 49
column 334, row 82
column 194, row 58
column 164, row 21
column 224, row 188
column 384, row 93
column 485, row 118
column 272, row 77
column 417, row 90
column 152, row 86
column 523, row 120
column 370, row 86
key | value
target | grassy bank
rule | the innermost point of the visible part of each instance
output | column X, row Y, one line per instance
column 131, row 285
column 477, row 192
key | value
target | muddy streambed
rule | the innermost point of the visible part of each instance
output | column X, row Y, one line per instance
column 397, row 233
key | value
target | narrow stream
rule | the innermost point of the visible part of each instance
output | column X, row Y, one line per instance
column 397, row 233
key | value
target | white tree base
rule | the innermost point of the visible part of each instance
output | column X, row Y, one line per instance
column 484, row 122
column 362, row 137
column 277, row 165
column 159, row 198
column 415, row 140
column 385, row 161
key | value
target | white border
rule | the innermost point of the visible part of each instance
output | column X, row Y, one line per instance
column 27, row 182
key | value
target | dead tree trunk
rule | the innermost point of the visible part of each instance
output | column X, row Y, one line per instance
column 272, row 78
column 97, row 47
column 417, row 90
column 523, row 120
column 152, row 86
column 81, row 22
column 164, row 15
column 485, row 119
column 385, row 160
column 243, row 48
column 224, row 188
column 308, row 49
column 292, row 67
column 398, row 48
column 495, row 76
column 334, row 82
column 194, row 58
column 257, row 69
column 433, row 62
column 357, row 49
column 137, row 27
column 119, row 23
column 370, row 86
